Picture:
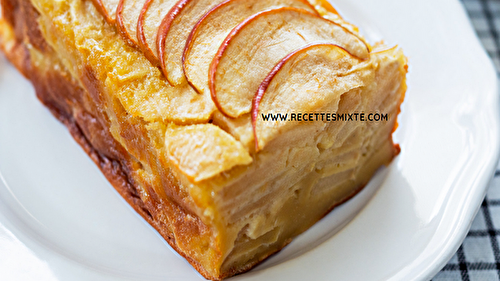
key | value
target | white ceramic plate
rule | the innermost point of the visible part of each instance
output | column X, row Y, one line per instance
column 61, row 220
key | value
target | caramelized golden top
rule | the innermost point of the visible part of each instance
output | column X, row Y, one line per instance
column 247, row 52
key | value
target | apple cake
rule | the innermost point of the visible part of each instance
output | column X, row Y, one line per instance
column 230, row 126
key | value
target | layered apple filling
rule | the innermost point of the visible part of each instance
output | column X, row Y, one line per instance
column 181, row 87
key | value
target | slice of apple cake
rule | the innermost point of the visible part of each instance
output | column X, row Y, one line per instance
column 230, row 126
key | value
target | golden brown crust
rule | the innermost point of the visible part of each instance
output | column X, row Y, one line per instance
column 57, row 93
column 17, row 53
column 104, row 151
column 79, row 106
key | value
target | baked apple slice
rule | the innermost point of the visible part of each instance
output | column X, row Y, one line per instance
column 302, row 83
column 204, row 150
column 212, row 29
column 324, row 4
column 148, row 25
column 257, row 44
column 127, row 15
column 173, row 33
column 107, row 8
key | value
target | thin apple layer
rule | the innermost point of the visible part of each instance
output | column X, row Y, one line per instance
column 174, row 32
column 300, row 83
column 141, row 89
column 256, row 45
column 127, row 15
column 107, row 8
column 148, row 25
column 211, row 30
column 298, row 173
column 220, row 204
column 203, row 151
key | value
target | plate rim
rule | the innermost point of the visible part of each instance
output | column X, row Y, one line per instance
column 474, row 202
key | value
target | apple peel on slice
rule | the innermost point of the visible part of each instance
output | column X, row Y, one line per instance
column 211, row 30
column 257, row 44
column 174, row 32
column 127, row 15
column 305, row 81
column 148, row 25
column 107, row 8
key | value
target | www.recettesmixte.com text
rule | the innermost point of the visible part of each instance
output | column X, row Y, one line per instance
column 325, row 116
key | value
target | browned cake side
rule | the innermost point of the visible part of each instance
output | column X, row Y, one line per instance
column 79, row 103
column 65, row 99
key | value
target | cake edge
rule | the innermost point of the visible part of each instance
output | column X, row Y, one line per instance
column 116, row 172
